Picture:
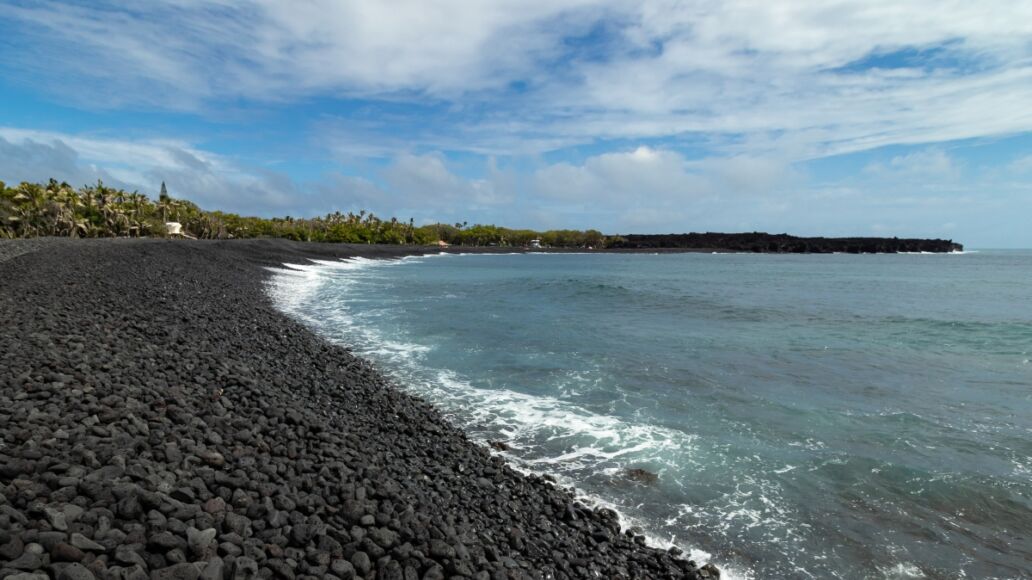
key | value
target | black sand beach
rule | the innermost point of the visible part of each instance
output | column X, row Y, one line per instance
column 159, row 418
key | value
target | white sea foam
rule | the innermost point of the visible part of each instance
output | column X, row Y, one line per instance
column 950, row 253
column 902, row 571
column 596, row 443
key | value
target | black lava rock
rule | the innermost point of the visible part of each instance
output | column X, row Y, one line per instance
column 163, row 420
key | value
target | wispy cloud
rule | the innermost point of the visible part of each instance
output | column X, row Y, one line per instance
column 925, row 165
column 814, row 78
column 925, row 192
column 205, row 178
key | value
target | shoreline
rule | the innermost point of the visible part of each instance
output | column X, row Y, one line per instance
column 233, row 443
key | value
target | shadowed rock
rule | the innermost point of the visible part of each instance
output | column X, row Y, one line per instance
column 641, row 476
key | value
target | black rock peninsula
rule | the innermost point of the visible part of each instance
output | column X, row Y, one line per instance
column 160, row 419
column 759, row 242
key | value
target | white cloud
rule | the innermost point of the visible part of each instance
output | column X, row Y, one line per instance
column 205, row 178
column 29, row 160
column 611, row 190
column 426, row 178
column 413, row 185
column 924, row 165
column 1021, row 165
column 638, row 176
column 182, row 52
column 925, row 192
column 655, row 178
column 770, row 72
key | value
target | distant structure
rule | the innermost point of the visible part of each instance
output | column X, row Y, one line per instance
column 442, row 244
column 535, row 243
column 175, row 230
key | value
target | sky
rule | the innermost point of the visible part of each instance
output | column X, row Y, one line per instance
column 834, row 118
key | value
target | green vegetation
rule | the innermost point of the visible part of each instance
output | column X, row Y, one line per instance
column 58, row 209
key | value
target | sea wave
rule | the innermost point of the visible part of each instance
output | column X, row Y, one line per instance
column 806, row 449
column 533, row 426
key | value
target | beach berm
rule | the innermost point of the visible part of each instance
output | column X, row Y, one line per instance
column 160, row 419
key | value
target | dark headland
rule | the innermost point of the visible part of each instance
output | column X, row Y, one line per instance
column 781, row 243
column 160, row 419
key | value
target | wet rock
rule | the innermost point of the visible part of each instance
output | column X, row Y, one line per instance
column 709, row 571
column 641, row 476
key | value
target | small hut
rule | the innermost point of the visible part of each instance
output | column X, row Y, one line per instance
column 174, row 229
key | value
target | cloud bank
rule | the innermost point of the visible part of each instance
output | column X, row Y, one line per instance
column 925, row 192
column 812, row 79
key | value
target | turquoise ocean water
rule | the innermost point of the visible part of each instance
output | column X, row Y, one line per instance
column 809, row 416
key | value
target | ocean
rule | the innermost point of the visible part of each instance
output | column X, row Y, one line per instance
column 807, row 416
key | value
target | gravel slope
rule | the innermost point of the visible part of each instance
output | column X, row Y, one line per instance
column 10, row 249
column 158, row 418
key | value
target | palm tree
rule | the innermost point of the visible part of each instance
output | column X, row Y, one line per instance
column 67, row 203
column 113, row 217
column 136, row 202
column 35, row 215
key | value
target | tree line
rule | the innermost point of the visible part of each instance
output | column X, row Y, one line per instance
column 98, row 211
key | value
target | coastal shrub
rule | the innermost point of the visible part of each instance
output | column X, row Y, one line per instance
column 98, row 211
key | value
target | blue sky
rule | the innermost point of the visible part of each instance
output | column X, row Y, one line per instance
column 834, row 118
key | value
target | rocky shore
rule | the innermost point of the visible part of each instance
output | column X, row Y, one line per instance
column 160, row 419
column 759, row 242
